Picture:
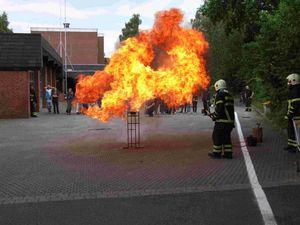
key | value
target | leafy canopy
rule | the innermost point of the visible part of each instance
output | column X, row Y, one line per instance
column 253, row 42
column 131, row 28
column 4, row 23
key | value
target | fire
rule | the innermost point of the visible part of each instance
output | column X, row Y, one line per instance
column 165, row 62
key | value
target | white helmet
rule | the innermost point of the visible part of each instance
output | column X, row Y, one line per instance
column 220, row 84
column 293, row 79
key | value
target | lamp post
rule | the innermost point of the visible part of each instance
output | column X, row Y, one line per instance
column 66, row 25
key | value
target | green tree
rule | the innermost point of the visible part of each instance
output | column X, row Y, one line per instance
column 239, row 15
column 131, row 28
column 279, row 44
column 224, row 54
column 231, row 28
column 257, row 41
column 4, row 24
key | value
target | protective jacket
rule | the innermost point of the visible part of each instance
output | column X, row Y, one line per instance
column 33, row 101
column 224, row 108
column 32, row 97
column 293, row 110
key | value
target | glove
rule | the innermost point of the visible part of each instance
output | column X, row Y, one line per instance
column 211, row 115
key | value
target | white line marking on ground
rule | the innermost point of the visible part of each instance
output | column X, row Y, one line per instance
column 259, row 193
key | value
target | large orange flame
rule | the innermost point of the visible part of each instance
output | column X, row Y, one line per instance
column 165, row 62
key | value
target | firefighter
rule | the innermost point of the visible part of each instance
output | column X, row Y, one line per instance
column 293, row 110
column 33, row 102
column 248, row 95
column 206, row 101
column 224, row 122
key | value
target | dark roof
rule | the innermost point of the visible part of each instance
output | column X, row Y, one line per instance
column 25, row 51
column 85, row 69
column 50, row 52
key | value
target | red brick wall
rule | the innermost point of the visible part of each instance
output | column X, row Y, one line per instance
column 101, row 50
column 38, row 89
column 14, row 92
column 82, row 47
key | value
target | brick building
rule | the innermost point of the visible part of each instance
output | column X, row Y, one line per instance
column 84, row 49
column 25, row 59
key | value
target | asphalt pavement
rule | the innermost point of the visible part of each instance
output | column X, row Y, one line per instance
column 70, row 169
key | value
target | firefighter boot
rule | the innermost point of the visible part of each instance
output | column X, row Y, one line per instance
column 227, row 155
column 290, row 149
column 215, row 155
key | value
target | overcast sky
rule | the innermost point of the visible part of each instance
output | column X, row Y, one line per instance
column 108, row 16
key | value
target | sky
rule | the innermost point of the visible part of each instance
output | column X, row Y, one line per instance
column 108, row 16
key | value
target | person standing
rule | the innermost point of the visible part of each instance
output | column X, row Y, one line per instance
column 48, row 96
column 70, row 96
column 55, row 101
column 293, row 110
column 248, row 95
column 181, row 108
column 187, row 107
column 163, row 107
column 33, row 102
column 205, row 101
column 224, row 122
column 195, row 103
column 150, row 107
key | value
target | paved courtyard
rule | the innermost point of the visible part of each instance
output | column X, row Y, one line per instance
column 57, row 163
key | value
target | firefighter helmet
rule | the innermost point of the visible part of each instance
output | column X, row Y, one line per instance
column 293, row 79
column 220, row 84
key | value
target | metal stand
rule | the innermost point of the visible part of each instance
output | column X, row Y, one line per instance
column 298, row 145
column 133, row 130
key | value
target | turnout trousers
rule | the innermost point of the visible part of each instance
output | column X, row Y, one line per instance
column 292, row 142
column 222, row 138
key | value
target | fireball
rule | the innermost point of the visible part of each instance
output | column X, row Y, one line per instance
column 166, row 62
